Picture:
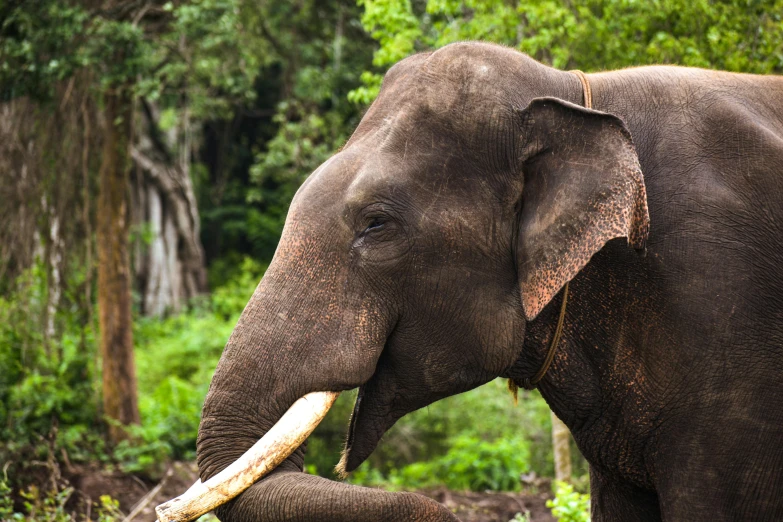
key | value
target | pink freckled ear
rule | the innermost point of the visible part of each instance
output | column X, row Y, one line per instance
column 583, row 186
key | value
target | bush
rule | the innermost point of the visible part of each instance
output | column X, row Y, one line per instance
column 48, row 396
column 569, row 505
column 476, row 441
column 471, row 464
column 50, row 387
column 175, row 359
column 51, row 506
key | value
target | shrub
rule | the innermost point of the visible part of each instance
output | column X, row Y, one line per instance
column 471, row 464
column 476, row 441
column 50, row 387
column 51, row 506
column 48, row 399
column 569, row 505
column 176, row 358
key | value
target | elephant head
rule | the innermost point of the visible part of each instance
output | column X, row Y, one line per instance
column 412, row 260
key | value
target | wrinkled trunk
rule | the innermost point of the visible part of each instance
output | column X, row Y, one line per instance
column 304, row 330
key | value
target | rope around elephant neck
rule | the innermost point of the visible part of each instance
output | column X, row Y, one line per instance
column 531, row 382
column 587, row 92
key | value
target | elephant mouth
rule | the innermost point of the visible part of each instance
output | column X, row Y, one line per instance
column 352, row 426
column 372, row 416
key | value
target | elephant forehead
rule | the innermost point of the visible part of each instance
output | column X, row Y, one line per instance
column 373, row 181
column 326, row 184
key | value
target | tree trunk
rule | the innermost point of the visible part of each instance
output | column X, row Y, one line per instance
column 168, row 258
column 114, row 276
column 561, row 439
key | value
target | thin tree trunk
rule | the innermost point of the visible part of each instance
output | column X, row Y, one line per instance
column 561, row 439
column 114, row 276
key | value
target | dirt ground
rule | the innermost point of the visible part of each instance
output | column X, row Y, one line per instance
column 493, row 507
column 139, row 497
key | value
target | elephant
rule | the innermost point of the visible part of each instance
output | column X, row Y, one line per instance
column 435, row 250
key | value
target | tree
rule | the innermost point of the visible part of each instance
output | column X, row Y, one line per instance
column 736, row 35
column 114, row 272
column 172, row 60
column 38, row 59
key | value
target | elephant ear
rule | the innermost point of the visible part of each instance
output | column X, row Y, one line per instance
column 583, row 186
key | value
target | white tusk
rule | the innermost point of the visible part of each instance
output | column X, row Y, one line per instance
column 286, row 435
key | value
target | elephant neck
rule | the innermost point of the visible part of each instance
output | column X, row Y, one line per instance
column 532, row 382
column 597, row 383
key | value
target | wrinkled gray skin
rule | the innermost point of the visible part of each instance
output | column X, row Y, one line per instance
column 424, row 259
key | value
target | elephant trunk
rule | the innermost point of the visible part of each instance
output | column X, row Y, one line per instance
column 304, row 330
column 285, row 494
column 299, row 497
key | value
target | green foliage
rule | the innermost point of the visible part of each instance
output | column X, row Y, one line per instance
column 6, row 501
column 395, row 26
column 44, row 42
column 109, row 509
column 297, row 150
column 175, row 359
column 569, row 505
column 50, row 506
column 49, row 398
column 300, row 116
column 183, row 53
column 46, row 506
column 208, row 54
column 47, row 389
column 476, row 441
column 739, row 35
column 35, row 51
column 471, row 464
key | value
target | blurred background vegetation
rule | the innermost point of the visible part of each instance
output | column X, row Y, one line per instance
column 231, row 105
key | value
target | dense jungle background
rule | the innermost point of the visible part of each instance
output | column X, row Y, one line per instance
column 148, row 153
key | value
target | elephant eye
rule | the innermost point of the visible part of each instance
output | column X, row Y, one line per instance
column 374, row 224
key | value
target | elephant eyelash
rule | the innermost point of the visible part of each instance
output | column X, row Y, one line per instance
column 375, row 224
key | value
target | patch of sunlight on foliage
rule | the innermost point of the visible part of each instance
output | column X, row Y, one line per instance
column 569, row 505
